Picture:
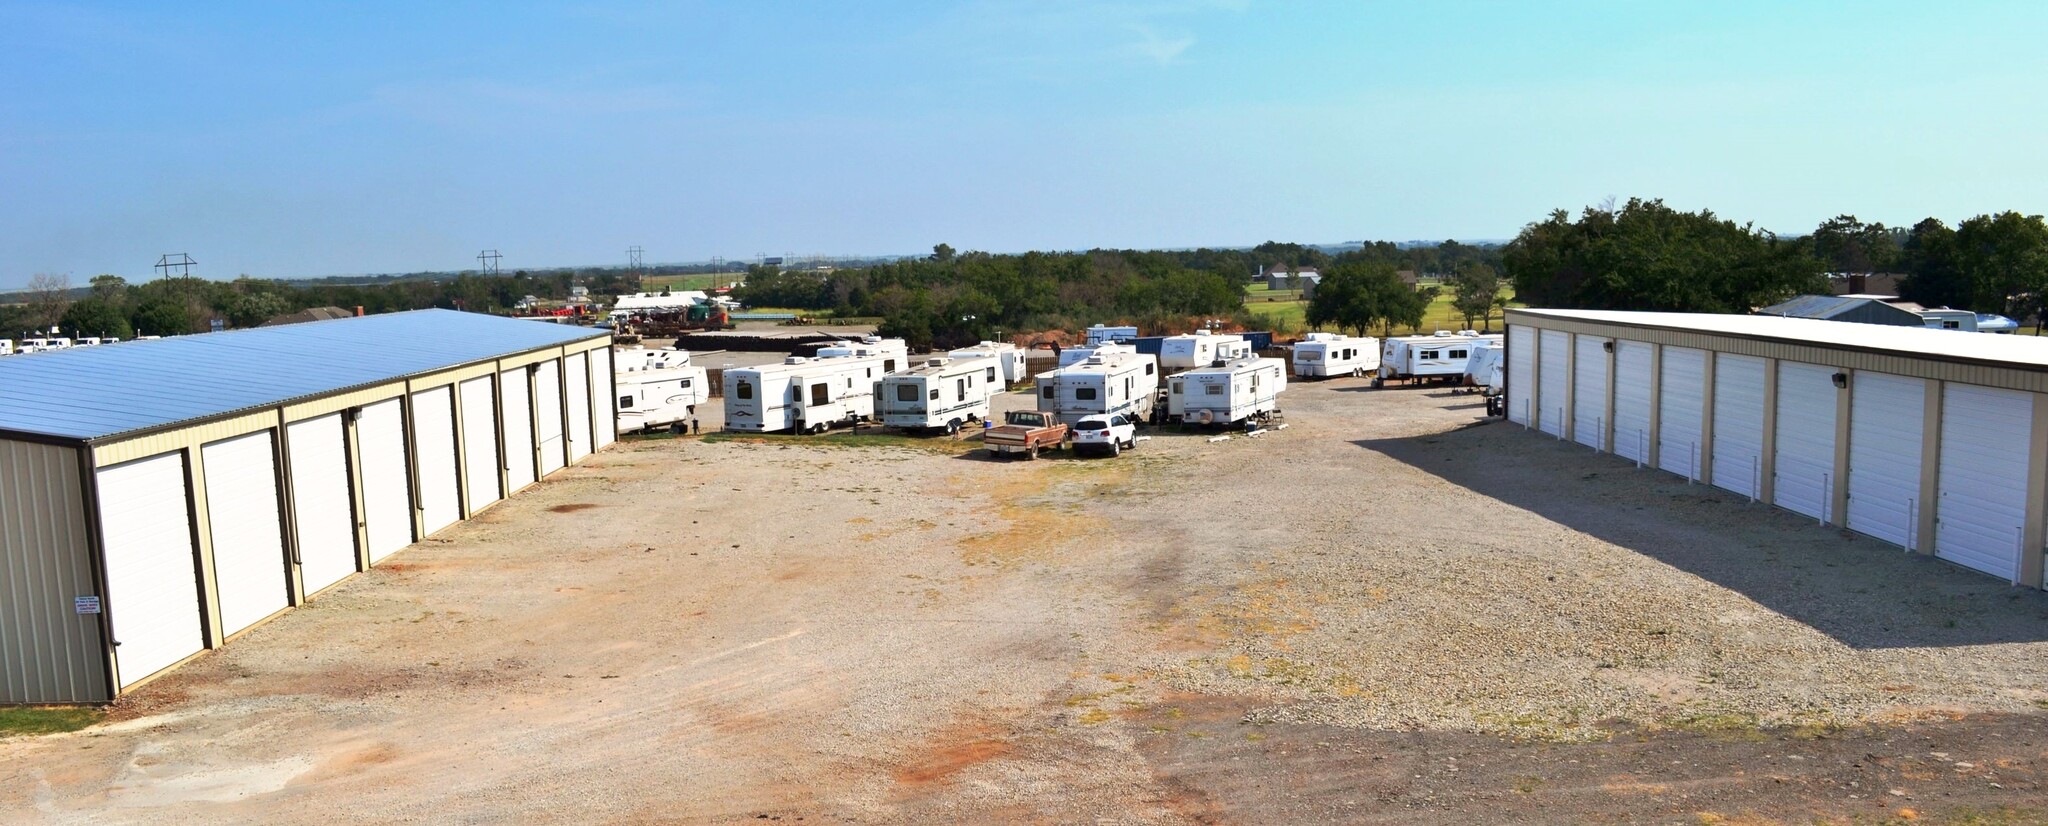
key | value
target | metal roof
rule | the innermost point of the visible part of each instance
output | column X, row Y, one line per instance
column 92, row 393
column 2023, row 352
column 1814, row 306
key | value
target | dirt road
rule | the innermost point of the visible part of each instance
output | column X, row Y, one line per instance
column 1389, row 612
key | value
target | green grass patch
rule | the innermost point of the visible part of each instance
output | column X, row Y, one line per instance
column 1441, row 315
column 848, row 439
column 32, row 720
column 691, row 281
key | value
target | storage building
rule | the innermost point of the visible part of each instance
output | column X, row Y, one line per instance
column 1929, row 440
column 157, row 498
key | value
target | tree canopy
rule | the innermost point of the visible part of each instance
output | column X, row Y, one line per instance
column 1648, row 256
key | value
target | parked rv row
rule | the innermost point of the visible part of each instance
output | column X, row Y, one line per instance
column 13, row 347
column 1460, row 358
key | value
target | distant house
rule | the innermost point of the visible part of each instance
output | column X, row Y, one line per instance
column 1285, row 277
column 1857, row 309
column 1408, row 277
column 1866, row 283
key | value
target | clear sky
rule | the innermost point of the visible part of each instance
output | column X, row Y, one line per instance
column 293, row 139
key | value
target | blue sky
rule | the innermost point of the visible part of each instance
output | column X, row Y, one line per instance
column 292, row 139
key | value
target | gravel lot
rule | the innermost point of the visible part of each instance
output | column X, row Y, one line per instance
column 1390, row 611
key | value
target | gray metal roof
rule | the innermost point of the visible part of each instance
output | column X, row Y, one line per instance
column 1818, row 306
column 96, row 392
column 2023, row 352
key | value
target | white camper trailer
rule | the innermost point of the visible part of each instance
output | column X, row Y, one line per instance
column 657, row 388
column 1201, row 350
column 1102, row 334
column 802, row 394
column 1230, row 392
column 894, row 353
column 1009, row 359
column 1440, row 356
column 1486, row 368
column 941, row 394
column 1323, row 355
column 6, row 346
column 1075, row 355
column 1119, row 381
column 45, row 344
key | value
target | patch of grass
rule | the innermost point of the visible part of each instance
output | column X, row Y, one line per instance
column 1441, row 315
column 33, row 720
column 1723, row 725
column 689, row 281
column 933, row 444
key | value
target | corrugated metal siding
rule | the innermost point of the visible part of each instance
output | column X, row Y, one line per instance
column 2010, row 378
column 48, row 654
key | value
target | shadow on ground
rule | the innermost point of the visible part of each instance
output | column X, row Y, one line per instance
column 1862, row 592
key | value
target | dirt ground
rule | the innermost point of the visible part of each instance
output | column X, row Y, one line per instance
column 1392, row 611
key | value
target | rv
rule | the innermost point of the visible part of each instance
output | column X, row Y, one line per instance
column 1075, row 355
column 1101, row 334
column 1009, row 359
column 45, row 344
column 1439, row 356
column 1323, row 355
column 1484, row 370
column 657, row 388
column 941, row 394
column 1201, row 350
column 804, row 395
column 1229, row 393
column 6, row 346
column 894, row 353
column 1117, row 381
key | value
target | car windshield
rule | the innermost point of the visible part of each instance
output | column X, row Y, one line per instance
column 1092, row 424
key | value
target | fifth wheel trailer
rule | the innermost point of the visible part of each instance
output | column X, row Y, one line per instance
column 1929, row 440
column 160, row 497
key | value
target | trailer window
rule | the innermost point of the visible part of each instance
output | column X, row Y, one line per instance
column 743, row 389
column 1308, row 356
column 1086, row 394
column 934, row 395
column 1178, row 388
column 686, row 383
column 1048, row 391
column 960, row 387
column 906, row 392
column 821, row 393
column 991, row 375
column 1426, row 355
column 1148, row 368
column 1456, row 354
column 888, row 365
column 625, row 402
column 1212, row 389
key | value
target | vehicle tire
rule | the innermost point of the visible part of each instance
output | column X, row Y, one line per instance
column 1115, row 448
column 1378, row 382
column 1032, row 453
column 952, row 427
column 676, row 428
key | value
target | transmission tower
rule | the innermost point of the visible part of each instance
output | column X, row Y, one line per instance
column 633, row 261
column 175, row 261
column 488, row 261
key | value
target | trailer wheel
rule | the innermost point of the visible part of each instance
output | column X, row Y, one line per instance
column 676, row 428
column 1378, row 382
column 953, row 427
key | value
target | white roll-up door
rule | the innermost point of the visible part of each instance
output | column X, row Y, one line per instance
column 515, row 411
column 323, row 517
column 1681, row 411
column 480, row 442
column 1632, row 399
column 1738, row 422
column 1983, row 477
column 1521, row 373
column 604, row 417
column 1887, row 415
column 1550, row 396
column 387, row 478
column 152, row 577
column 243, row 520
column 576, row 381
column 433, row 433
column 1589, row 392
column 1803, row 472
column 547, row 403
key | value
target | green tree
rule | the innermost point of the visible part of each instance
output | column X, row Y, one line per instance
column 942, row 252
column 1648, row 256
column 1475, row 287
column 112, row 288
column 96, row 316
column 163, row 316
column 2005, row 258
column 1933, row 277
column 1846, row 245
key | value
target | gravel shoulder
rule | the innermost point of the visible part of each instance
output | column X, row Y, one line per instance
column 1391, row 611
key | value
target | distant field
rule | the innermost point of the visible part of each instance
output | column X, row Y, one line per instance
column 694, row 281
column 1293, row 314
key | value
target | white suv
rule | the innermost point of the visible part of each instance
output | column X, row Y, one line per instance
column 1114, row 434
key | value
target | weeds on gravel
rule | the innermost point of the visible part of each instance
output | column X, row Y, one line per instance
column 33, row 720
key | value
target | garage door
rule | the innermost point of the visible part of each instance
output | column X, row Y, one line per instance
column 603, row 417
column 1589, row 392
column 1886, row 416
column 1521, row 372
column 516, row 413
column 244, row 523
column 323, row 518
column 152, row 579
column 576, row 375
column 1553, row 354
column 1984, row 434
column 1738, row 422
column 1803, row 472
column 387, row 484
column 433, row 433
column 1632, row 400
column 1681, row 410
column 480, row 442
column 547, row 401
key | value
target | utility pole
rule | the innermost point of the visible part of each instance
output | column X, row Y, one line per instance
column 175, row 260
column 487, row 261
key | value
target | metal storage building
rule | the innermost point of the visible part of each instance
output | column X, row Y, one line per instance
column 1933, row 440
column 157, row 498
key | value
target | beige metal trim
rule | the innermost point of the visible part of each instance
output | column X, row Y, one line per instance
column 525, row 359
column 1930, row 466
column 1838, row 501
column 143, row 447
column 2032, row 537
column 1607, row 421
column 1568, row 410
column 1767, row 458
column 342, row 401
column 1652, row 454
column 1706, row 461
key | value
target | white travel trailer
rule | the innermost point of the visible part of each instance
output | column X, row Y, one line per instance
column 1201, row 350
column 1486, row 368
column 44, row 344
column 1229, row 393
column 894, row 353
column 6, row 346
column 1323, row 355
column 941, row 394
column 1009, row 358
column 1439, row 356
column 1075, row 355
column 1102, row 334
column 657, row 388
column 805, row 395
column 1118, row 381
